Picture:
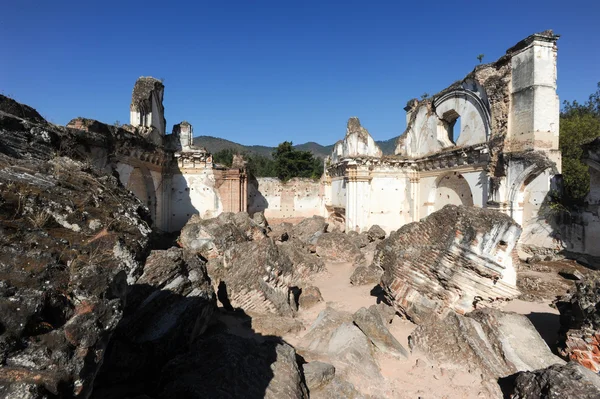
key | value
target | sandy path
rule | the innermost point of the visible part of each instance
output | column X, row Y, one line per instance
column 411, row 378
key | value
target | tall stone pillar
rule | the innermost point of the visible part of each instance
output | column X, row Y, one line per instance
column 358, row 197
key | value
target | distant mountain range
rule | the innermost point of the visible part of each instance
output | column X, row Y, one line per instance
column 215, row 144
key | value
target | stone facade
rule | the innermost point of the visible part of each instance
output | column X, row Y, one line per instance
column 489, row 140
column 170, row 175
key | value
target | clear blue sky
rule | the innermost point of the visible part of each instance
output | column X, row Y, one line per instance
column 260, row 72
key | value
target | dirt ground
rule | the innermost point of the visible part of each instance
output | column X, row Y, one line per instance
column 419, row 377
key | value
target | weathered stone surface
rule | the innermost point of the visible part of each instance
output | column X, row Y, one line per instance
column 376, row 233
column 306, row 263
column 251, row 229
column 338, row 247
column 386, row 312
column 317, row 374
column 361, row 240
column 275, row 325
column 227, row 366
column 62, row 282
column 281, row 232
column 310, row 229
column 569, row 381
column 364, row 275
column 256, row 277
column 170, row 306
column 454, row 259
column 337, row 388
column 497, row 343
column 309, row 297
column 579, row 335
column 260, row 219
column 318, row 336
column 209, row 237
column 349, row 345
column 371, row 324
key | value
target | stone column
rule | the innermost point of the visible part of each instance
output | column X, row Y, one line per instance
column 358, row 197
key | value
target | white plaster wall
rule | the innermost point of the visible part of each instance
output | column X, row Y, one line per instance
column 157, row 180
column 193, row 193
column 389, row 203
column 427, row 135
column 583, row 236
column 452, row 189
column 426, row 199
column 473, row 126
column 134, row 118
column 293, row 199
column 338, row 193
column 355, row 145
column 124, row 172
column 478, row 183
column 535, row 103
column 358, row 203
column 537, row 229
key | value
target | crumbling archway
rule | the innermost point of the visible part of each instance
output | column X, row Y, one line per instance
column 450, row 189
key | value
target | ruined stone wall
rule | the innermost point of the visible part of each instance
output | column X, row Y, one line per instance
column 390, row 204
column 297, row 198
column 488, row 140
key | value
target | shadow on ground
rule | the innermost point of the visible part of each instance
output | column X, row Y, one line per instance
column 172, row 346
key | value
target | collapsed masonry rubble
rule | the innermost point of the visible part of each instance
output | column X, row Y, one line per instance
column 569, row 381
column 579, row 337
column 458, row 258
column 71, row 239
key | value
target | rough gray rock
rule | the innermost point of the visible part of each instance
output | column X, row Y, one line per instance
column 579, row 335
column 568, row 381
column 376, row 233
column 370, row 323
column 260, row 219
column 454, row 259
column 275, row 325
column 497, row 343
column 338, row 247
column 318, row 336
column 306, row 263
column 210, row 238
column 309, row 229
column 281, row 232
column 228, row 366
column 309, row 297
column 349, row 345
column 361, row 240
column 364, row 275
column 317, row 374
column 62, row 282
column 337, row 388
column 256, row 277
column 170, row 306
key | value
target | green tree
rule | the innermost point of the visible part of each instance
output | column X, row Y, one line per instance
column 290, row 162
column 579, row 124
column 224, row 157
column 480, row 57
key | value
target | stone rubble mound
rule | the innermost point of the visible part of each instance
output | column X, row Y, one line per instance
column 579, row 335
column 70, row 240
column 456, row 259
column 568, row 381
column 496, row 343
